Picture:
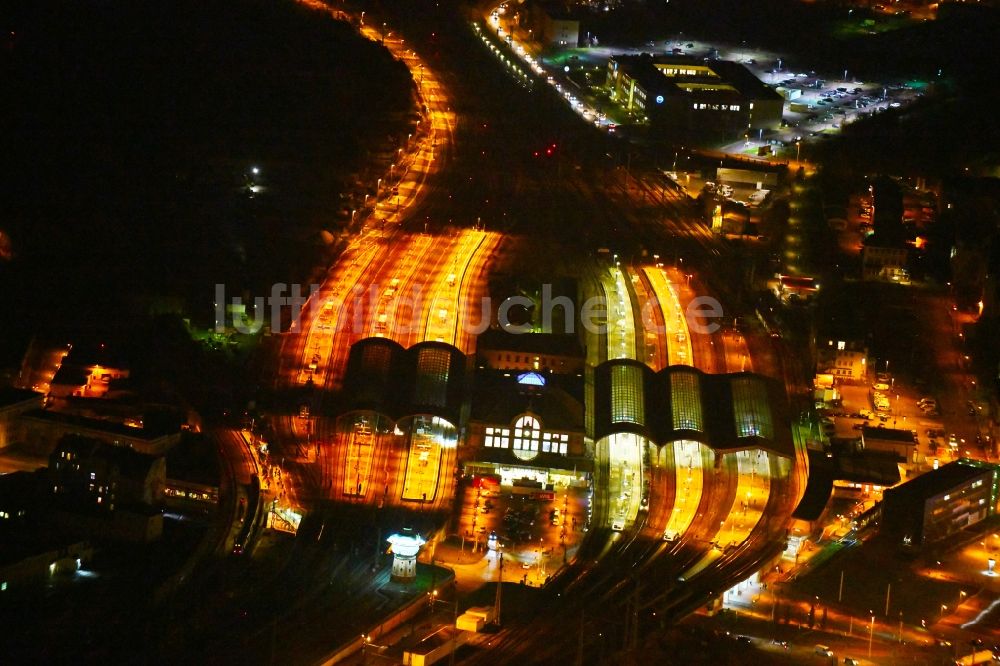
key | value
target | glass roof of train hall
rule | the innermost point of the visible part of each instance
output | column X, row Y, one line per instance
column 685, row 401
column 725, row 411
column 628, row 395
column 751, row 410
column 431, row 384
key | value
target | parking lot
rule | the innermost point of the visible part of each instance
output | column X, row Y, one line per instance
column 907, row 409
column 537, row 531
column 818, row 104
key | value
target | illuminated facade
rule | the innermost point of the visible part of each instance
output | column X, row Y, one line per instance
column 940, row 503
column 680, row 93
column 405, row 547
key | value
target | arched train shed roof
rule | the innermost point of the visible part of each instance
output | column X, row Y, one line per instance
column 427, row 378
column 727, row 412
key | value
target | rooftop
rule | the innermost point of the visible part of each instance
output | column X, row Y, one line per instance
column 728, row 412
column 131, row 464
column 15, row 396
column 498, row 398
column 736, row 81
column 942, row 479
column 555, row 344
column 888, row 434
column 111, row 427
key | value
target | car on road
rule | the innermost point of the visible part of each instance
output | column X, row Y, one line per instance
column 823, row 651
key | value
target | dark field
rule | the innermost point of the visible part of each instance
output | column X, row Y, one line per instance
column 128, row 136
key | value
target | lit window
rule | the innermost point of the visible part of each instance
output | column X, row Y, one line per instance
column 526, row 445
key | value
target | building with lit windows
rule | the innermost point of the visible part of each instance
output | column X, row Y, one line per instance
column 530, row 431
column 92, row 475
column 100, row 490
column 552, row 23
column 940, row 503
column 845, row 360
column 681, row 95
column 527, row 426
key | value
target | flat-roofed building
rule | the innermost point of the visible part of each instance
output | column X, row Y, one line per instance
column 940, row 503
column 681, row 95
column 900, row 443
